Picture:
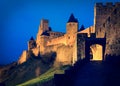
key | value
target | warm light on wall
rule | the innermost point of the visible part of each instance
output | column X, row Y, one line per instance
column 96, row 52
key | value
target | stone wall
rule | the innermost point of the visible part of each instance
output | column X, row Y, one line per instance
column 43, row 42
column 58, row 40
column 107, row 26
column 101, row 13
column 31, row 44
column 52, row 48
column 70, row 47
column 81, row 45
column 55, row 34
column 36, row 51
column 23, row 57
column 88, row 30
column 72, row 29
column 112, row 25
column 64, row 55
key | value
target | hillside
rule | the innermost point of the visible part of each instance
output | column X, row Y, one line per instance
column 46, row 79
column 14, row 74
column 92, row 73
column 40, row 72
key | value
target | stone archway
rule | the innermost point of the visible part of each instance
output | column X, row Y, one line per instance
column 96, row 52
column 97, row 48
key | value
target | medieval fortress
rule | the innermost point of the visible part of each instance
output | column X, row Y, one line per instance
column 94, row 42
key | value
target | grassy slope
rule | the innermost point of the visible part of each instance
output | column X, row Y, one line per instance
column 45, row 77
column 24, row 72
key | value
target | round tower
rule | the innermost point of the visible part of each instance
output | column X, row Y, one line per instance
column 71, row 29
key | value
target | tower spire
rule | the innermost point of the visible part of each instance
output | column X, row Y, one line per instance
column 72, row 18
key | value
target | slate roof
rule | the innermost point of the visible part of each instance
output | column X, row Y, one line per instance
column 45, row 33
column 31, row 38
column 72, row 19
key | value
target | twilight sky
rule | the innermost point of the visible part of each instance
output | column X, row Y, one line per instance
column 20, row 19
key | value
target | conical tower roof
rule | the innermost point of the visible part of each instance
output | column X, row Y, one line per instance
column 32, row 38
column 72, row 18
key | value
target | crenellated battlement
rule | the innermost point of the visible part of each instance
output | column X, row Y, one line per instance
column 58, row 40
column 99, row 4
column 108, row 4
column 73, row 45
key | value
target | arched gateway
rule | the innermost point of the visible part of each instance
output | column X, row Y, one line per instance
column 95, row 48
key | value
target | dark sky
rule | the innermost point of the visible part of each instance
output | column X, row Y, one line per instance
column 20, row 19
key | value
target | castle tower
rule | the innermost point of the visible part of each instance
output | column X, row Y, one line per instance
column 72, row 25
column 72, row 29
column 31, row 43
column 71, row 36
column 44, row 27
column 112, row 26
column 101, row 14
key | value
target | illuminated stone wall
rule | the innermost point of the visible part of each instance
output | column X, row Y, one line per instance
column 107, row 25
column 72, row 29
column 64, row 55
column 58, row 40
column 88, row 30
column 70, row 46
column 97, row 52
column 101, row 13
column 23, row 57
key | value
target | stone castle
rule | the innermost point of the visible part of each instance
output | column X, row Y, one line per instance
column 94, row 42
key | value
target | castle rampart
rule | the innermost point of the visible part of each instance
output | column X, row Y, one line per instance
column 88, row 30
column 112, row 33
column 55, row 34
column 71, row 46
column 108, row 4
column 58, row 40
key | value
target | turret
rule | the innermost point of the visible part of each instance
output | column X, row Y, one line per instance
column 44, row 27
column 72, row 25
column 31, row 43
column 72, row 29
column 101, row 13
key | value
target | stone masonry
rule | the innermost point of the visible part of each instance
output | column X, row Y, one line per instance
column 94, row 43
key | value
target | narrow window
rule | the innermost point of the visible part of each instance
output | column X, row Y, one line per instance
column 104, row 25
column 115, row 11
column 108, row 19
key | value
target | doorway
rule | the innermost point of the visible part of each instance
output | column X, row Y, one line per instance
column 96, row 52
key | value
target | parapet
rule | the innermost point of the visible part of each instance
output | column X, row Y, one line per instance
column 108, row 4
column 99, row 4
column 44, row 21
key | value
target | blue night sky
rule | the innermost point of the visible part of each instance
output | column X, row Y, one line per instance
column 20, row 19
